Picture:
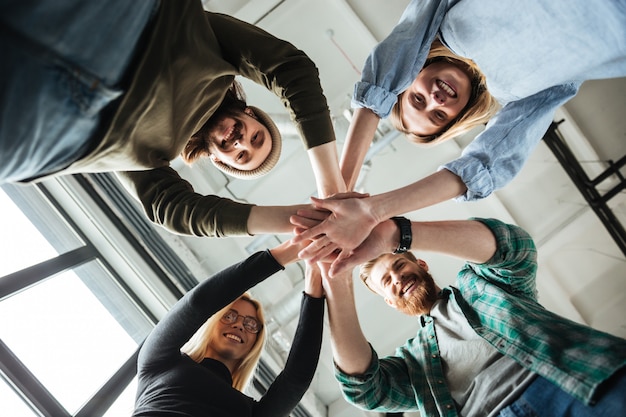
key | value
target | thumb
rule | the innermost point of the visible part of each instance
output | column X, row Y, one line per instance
column 320, row 203
column 341, row 263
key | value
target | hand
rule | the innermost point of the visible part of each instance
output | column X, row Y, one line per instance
column 313, row 280
column 377, row 243
column 349, row 222
column 306, row 218
column 336, row 283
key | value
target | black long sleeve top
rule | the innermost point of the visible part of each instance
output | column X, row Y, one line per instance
column 172, row 384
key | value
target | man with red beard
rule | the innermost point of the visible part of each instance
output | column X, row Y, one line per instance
column 483, row 347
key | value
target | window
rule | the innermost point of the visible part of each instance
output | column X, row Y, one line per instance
column 71, row 325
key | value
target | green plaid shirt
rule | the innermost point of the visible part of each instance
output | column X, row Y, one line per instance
column 499, row 300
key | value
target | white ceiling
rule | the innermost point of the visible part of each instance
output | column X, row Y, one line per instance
column 582, row 273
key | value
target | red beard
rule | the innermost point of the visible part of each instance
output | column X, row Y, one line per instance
column 421, row 298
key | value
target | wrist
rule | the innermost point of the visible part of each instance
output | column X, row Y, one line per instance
column 285, row 253
column 404, row 236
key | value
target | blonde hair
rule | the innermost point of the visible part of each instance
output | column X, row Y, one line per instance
column 365, row 270
column 196, row 347
column 480, row 108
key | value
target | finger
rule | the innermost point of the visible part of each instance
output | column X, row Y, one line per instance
column 324, row 252
column 308, row 234
column 330, row 258
column 318, row 244
column 312, row 268
column 313, row 248
column 303, row 222
column 322, row 204
column 343, row 262
column 317, row 249
column 298, row 231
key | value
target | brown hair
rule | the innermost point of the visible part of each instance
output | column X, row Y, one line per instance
column 365, row 270
column 234, row 102
column 479, row 109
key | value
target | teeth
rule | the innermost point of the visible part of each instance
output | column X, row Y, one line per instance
column 234, row 337
column 445, row 87
column 229, row 133
column 407, row 287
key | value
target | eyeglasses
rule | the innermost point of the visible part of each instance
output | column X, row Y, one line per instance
column 251, row 324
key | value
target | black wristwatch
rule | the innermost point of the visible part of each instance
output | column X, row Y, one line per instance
column 406, row 235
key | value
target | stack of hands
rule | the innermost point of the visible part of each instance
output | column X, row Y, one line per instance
column 343, row 231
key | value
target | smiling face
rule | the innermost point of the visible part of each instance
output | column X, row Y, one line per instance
column 240, row 141
column 435, row 98
column 230, row 343
column 404, row 284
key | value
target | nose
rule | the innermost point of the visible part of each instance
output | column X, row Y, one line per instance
column 439, row 97
column 241, row 142
column 238, row 323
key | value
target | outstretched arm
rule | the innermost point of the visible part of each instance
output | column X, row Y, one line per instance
column 272, row 219
column 290, row 74
column 170, row 201
column 358, row 140
column 288, row 388
column 351, row 220
column 324, row 162
column 162, row 346
column 469, row 240
column 351, row 351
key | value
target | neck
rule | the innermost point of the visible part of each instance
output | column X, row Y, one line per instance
column 230, row 363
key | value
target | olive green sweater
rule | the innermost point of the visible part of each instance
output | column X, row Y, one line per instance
column 190, row 59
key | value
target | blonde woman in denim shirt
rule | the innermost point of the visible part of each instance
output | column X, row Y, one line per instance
column 534, row 56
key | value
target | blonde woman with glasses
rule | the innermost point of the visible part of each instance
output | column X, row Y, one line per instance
column 200, row 357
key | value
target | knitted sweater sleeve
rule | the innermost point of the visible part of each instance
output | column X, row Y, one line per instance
column 170, row 201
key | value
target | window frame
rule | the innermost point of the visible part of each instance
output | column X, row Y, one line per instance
column 110, row 241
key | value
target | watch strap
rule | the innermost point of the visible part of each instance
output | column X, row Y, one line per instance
column 406, row 234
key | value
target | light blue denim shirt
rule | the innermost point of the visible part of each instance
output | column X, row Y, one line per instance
column 62, row 64
column 535, row 55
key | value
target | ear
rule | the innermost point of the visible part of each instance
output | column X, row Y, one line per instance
column 422, row 264
column 390, row 302
column 214, row 158
column 249, row 112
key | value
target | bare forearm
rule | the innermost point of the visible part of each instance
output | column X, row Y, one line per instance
column 325, row 164
column 358, row 140
column 469, row 240
column 436, row 188
column 272, row 219
column 351, row 351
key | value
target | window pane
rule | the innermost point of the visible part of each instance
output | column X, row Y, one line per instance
column 73, row 331
column 12, row 404
column 32, row 230
column 125, row 403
